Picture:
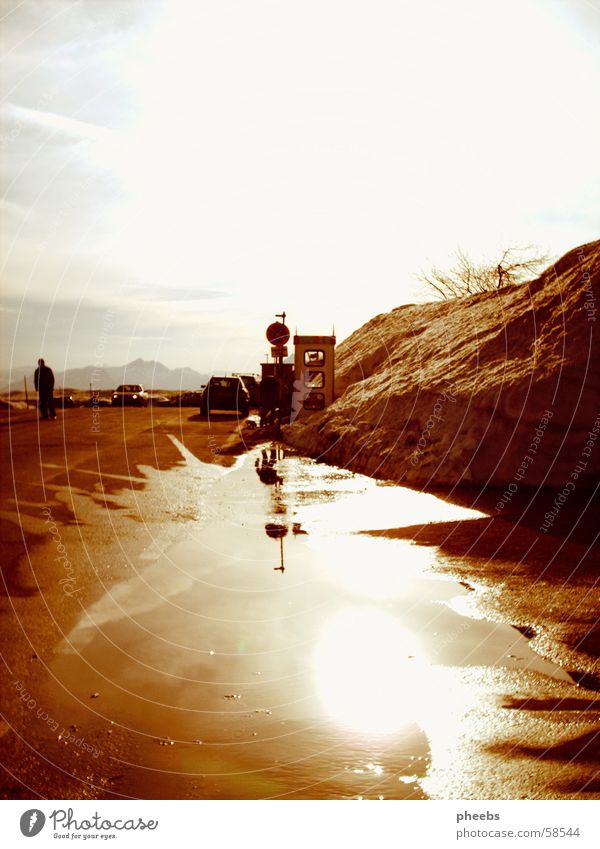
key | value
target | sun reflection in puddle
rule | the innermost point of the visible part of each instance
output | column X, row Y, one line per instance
column 340, row 501
column 368, row 671
column 400, row 661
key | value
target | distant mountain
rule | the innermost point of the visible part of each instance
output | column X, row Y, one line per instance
column 15, row 377
column 151, row 374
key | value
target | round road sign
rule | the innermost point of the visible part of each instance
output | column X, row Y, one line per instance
column 277, row 333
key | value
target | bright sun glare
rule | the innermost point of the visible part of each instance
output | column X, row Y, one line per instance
column 368, row 671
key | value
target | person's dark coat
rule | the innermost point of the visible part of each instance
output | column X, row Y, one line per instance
column 43, row 379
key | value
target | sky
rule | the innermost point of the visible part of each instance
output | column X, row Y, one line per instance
column 176, row 172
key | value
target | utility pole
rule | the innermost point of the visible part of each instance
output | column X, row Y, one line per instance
column 26, row 395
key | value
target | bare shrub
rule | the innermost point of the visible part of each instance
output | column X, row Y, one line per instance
column 465, row 278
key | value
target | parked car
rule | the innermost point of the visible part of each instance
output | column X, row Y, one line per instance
column 252, row 385
column 159, row 400
column 96, row 401
column 131, row 395
column 187, row 399
column 225, row 393
column 63, row 401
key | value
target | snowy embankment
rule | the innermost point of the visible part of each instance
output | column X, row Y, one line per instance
column 500, row 389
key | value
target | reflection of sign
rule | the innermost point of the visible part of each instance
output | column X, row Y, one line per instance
column 275, row 530
column 277, row 333
column 279, row 351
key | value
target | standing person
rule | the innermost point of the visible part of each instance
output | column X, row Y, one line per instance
column 268, row 397
column 44, row 384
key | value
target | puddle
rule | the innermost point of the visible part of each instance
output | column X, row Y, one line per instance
column 279, row 653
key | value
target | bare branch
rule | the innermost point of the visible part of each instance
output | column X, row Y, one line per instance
column 465, row 278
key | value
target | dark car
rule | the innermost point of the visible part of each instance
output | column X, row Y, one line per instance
column 96, row 401
column 130, row 394
column 225, row 393
column 187, row 399
column 61, row 402
column 159, row 401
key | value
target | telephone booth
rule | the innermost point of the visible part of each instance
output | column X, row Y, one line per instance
column 314, row 372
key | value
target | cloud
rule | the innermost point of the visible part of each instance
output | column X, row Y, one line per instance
column 136, row 339
column 68, row 330
column 159, row 153
column 166, row 293
column 21, row 117
column 12, row 209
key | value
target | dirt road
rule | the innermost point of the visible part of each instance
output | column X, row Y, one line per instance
column 177, row 625
column 81, row 498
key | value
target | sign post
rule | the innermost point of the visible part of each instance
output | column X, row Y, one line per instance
column 278, row 335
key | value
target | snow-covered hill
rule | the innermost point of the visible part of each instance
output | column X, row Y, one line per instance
column 501, row 388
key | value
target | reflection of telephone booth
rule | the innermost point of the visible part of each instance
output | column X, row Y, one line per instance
column 314, row 371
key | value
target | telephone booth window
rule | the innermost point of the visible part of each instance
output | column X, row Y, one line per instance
column 314, row 379
column 314, row 358
column 314, row 401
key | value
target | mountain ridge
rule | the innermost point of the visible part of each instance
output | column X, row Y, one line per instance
column 150, row 373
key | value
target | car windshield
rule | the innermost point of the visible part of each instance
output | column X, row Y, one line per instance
column 224, row 382
column 129, row 387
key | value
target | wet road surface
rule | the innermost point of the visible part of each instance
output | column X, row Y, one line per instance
column 272, row 650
